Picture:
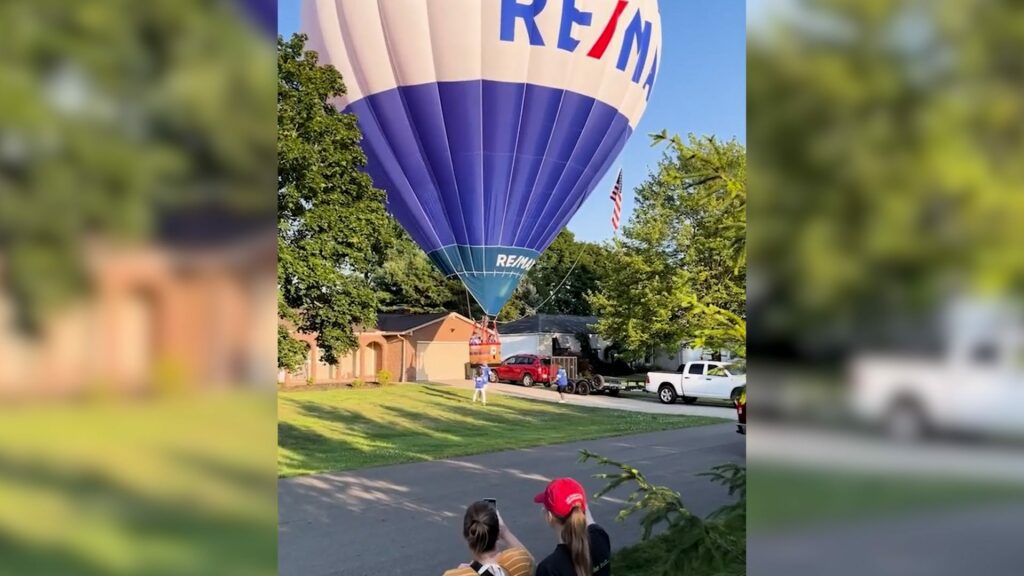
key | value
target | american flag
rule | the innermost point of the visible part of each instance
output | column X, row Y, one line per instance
column 617, row 202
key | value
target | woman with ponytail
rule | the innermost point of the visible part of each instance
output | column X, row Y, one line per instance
column 496, row 551
column 584, row 548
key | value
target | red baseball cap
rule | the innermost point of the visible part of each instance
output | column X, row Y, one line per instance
column 561, row 495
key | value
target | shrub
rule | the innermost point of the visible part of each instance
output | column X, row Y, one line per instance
column 712, row 545
column 384, row 378
column 357, row 383
column 310, row 381
column 169, row 377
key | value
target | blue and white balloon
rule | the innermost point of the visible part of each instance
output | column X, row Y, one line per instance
column 489, row 122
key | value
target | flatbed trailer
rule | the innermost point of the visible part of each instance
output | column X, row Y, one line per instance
column 609, row 385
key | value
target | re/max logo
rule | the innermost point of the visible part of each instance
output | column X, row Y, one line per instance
column 512, row 261
column 637, row 37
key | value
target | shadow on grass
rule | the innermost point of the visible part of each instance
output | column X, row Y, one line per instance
column 133, row 527
column 422, row 422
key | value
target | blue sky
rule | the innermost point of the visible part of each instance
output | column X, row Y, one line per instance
column 701, row 89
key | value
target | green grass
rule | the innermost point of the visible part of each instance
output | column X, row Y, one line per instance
column 350, row 429
column 182, row 486
column 783, row 496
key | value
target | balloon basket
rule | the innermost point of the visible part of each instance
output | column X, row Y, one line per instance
column 484, row 354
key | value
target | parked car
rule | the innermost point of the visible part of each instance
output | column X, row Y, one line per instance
column 699, row 380
column 527, row 369
column 741, row 411
column 970, row 383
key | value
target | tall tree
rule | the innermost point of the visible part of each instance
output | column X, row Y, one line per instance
column 887, row 160
column 679, row 274
column 410, row 283
column 559, row 283
column 116, row 112
column 333, row 231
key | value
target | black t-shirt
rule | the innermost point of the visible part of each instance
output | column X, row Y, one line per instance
column 559, row 562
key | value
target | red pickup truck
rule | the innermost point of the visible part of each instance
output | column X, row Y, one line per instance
column 525, row 368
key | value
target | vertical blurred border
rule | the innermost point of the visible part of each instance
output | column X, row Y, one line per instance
column 886, row 340
column 137, row 287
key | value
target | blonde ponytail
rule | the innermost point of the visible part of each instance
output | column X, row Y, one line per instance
column 574, row 535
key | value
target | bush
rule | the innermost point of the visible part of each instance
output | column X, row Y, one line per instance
column 690, row 545
column 358, row 383
column 169, row 377
column 310, row 381
column 384, row 378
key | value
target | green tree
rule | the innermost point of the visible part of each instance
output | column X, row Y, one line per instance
column 690, row 544
column 332, row 228
column 679, row 273
column 112, row 114
column 887, row 161
column 410, row 283
column 554, row 285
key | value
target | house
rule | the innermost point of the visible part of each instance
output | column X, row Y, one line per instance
column 558, row 335
column 196, row 306
column 411, row 347
column 550, row 334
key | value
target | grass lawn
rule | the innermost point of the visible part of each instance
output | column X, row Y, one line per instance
column 783, row 496
column 182, row 486
column 349, row 429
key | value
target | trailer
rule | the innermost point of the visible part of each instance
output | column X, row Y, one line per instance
column 599, row 384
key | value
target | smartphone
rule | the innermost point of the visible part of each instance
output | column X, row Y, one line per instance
column 493, row 501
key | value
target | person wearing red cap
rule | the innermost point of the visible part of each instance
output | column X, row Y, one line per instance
column 584, row 548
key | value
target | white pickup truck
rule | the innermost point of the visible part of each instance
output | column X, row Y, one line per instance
column 976, row 383
column 699, row 380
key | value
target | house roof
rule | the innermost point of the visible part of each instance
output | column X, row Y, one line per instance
column 406, row 322
column 550, row 324
column 402, row 323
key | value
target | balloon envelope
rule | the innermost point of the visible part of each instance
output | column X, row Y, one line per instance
column 489, row 122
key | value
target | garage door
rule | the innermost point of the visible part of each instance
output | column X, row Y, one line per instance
column 441, row 360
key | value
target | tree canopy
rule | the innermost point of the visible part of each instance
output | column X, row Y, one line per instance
column 678, row 276
column 114, row 113
column 332, row 228
column 886, row 145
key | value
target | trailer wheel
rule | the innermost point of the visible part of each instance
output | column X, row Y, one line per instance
column 570, row 388
column 583, row 388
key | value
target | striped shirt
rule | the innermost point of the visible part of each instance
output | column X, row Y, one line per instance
column 515, row 561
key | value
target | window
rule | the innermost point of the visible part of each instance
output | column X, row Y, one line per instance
column 737, row 368
column 717, row 371
column 696, row 368
column 546, row 361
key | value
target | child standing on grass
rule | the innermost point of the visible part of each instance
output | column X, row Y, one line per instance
column 481, row 385
column 561, row 381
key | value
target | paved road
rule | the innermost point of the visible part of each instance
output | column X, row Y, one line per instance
column 367, row 522
column 649, row 405
column 977, row 540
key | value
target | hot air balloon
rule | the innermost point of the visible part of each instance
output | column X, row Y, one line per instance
column 489, row 122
